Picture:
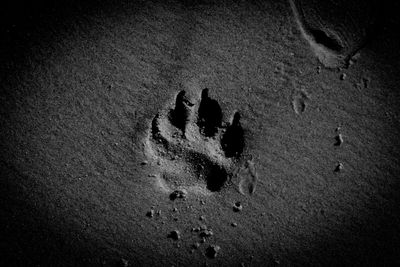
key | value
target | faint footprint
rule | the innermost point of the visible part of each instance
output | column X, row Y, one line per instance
column 192, row 148
column 248, row 177
column 336, row 30
column 299, row 102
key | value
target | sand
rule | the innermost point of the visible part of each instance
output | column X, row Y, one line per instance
column 290, row 158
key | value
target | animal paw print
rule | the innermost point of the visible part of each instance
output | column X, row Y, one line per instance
column 192, row 148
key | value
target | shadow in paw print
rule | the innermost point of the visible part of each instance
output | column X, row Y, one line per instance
column 216, row 178
column 179, row 116
column 209, row 115
column 233, row 140
column 213, row 173
column 323, row 38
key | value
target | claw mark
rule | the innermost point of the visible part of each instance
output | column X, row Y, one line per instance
column 233, row 140
column 181, row 114
column 210, row 115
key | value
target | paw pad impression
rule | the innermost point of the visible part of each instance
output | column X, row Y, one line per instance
column 191, row 146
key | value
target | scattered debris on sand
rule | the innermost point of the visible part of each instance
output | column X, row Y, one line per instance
column 339, row 167
column 178, row 194
column 237, row 206
column 206, row 233
column 212, row 251
column 175, row 235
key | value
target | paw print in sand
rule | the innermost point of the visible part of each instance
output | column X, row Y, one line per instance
column 192, row 148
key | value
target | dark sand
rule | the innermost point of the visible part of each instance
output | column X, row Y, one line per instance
column 91, row 148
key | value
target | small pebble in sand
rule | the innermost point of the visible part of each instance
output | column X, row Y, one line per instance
column 203, row 227
column 343, row 76
column 159, row 213
column 202, row 202
column 203, row 240
column 339, row 167
column 196, row 245
column 174, row 209
column 319, row 69
column 202, row 218
column 212, row 251
column 339, row 140
column 233, row 224
column 178, row 194
column 176, row 235
column 145, row 162
column 206, row 233
column 237, row 206
column 150, row 213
